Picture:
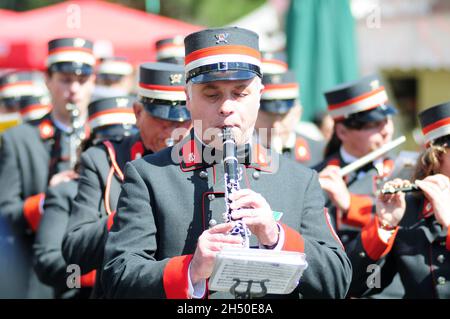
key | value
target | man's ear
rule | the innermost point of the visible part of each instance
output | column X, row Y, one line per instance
column 188, row 98
column 138, row 108
column 47, row 78
column 341, row 131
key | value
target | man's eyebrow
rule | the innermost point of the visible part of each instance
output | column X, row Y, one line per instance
column 210, row 86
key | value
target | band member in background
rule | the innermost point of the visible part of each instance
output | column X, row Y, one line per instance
column 160, row 109
column 24, row 92
column 362, row 115
column 273, row 62
column 411, row 237
column 170, row 50
column 167, row 229
column 278, row 116
column 109, row 119
column 114, row 77
column 363, row 123
column 36, row 155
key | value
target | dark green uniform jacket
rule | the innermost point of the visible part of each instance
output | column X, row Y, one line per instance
column 307, row 151
column 89, row 220
column 361, row 184
column 49, row 263
column 30, row 155
column 166, row 204
column 419, row 252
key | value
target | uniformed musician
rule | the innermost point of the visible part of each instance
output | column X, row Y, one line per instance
column 109, row 119
column 410, row 235
column 278, row 116
column 36, row 155
column 168, row 226
column 159, row 110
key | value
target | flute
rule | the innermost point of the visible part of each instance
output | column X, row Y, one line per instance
column 371, row 156
column 404, row 189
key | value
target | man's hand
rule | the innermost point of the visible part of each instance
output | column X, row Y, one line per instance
column 331, row 181
column 437, row 189
column 63, row 176
column 391, row 207
column 256, row 214
column 209, row 244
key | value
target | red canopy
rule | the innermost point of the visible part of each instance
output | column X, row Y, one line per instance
column 131, row 33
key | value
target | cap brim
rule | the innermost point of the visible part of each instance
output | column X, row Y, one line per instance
column 175, row 113
column 114, row 132
column 72, row 67
column 376, row 114
column 277, row 106
column 229, row 75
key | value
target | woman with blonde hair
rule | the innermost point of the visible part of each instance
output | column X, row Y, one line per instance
column 410, row 233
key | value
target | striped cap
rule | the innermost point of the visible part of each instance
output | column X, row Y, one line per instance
column 16, row 85
column 22, row 83
column 365, row 100
column 71, row 55
column 114, row 111
column 435, row 122
column 114, row 66
column 274, row 62
column 280, row 92
column 230, row 53
column 34, row 107
column 170, row 50
column 161, row 91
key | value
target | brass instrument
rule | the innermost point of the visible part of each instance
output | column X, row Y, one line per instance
column 77, row 134
column 232, row 177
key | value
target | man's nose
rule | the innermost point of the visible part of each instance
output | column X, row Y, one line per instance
column 228, row 107
column 74, row 86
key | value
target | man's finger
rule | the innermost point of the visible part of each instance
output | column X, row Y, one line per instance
column 241, row 193
column 221, row 228
column 222, row 238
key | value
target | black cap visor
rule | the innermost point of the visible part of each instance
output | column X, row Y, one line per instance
column 223, row 71
column 175, row 111
column 277, row 106
column 114, row 132
column 358, row 120
column 72, row 67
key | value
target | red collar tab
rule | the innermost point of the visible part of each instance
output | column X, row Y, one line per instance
column 190, row 156
column 260, row 158
column 302, row 151
column 334, row 162
column 46, row 129
column 137, row 150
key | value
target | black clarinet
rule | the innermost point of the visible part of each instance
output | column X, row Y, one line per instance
column 232, row 177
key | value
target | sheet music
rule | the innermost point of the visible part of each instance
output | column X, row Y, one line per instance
column 283, row 269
